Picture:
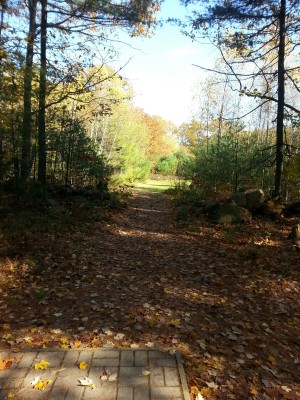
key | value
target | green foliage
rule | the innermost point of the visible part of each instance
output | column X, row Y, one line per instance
column 74, row 158
column 167, row 165
column 176, row 164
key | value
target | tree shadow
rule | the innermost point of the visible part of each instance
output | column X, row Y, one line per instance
column 232, row 314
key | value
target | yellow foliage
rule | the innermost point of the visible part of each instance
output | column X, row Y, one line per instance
column 272, row 360
column 83, row 365
column 194, row 390
column 7, row 336
column 175, row 322
column 5, row 364
column 254, row 391
column 41, row 385
column 41, row 365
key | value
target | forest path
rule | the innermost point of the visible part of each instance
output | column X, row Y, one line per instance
column 226, row 297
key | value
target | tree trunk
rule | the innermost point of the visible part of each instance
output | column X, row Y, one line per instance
column 280, row 104
column 42, row 99
column 27, row 114
column 3, row 7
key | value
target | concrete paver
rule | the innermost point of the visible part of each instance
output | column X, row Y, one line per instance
column 118, row 374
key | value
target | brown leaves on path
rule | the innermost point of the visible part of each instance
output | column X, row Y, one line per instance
column 226, row 296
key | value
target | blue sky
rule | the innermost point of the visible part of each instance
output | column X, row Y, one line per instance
column 161, row 69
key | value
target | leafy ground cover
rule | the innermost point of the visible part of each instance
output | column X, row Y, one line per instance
column 226, row 296
column 154, row 186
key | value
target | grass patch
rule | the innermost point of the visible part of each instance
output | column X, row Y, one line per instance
column 155, row 186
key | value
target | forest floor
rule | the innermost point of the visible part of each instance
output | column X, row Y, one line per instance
column 226, row 296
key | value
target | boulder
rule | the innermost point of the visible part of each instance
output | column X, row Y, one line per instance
column 245, row 214
column 224, row 213
column 254, row 199
column 239, row 199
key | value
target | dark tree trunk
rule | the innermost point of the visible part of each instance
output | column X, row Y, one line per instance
column 27, row 112
column 3, row 6
column 281, row 99
column 42, row 99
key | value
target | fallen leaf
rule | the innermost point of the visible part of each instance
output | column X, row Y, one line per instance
column 85, row 381
column 7, row 336
column 119, row 336
column 35, row 381
column 202, row 344
column 272, row 360
column 112, row 377
column 175, row 322
column 149, row 344
column 41, row 365
column 254, row 391
column 83, row 365
column 286, row 389
column 5, row 364
column 211, row 385
column 194, row 390
column 41, row 385
column 10, row 395
column 146, row 373
column 6, row 327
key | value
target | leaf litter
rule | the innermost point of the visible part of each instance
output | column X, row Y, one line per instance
column 226, row 297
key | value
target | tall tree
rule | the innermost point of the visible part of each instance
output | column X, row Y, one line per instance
column 87, row 19
column 257, row 40
column 27, row 105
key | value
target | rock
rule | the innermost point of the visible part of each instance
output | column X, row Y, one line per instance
column 245, row 214
column 239, row 199
column 251, row 199
column 254, row 199
column 209, row 203
column 224, row 213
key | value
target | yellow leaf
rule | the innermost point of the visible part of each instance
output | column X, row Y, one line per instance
column 223, row 300
column 194, row 390
column 175, row 322
column 201, row 368
column 272, row 360
column 248, row 325
column 41, row 365
column 207, row 392
column 10, row 395
column 168, row 291
column 83, row 365
column 255, row 379
column 6, row 327
column 77, row 344
column 254, row 391
column 5, row 364
column 41, row 385
column 7, row 336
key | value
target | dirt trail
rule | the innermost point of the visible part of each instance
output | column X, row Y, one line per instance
column 216, row 295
